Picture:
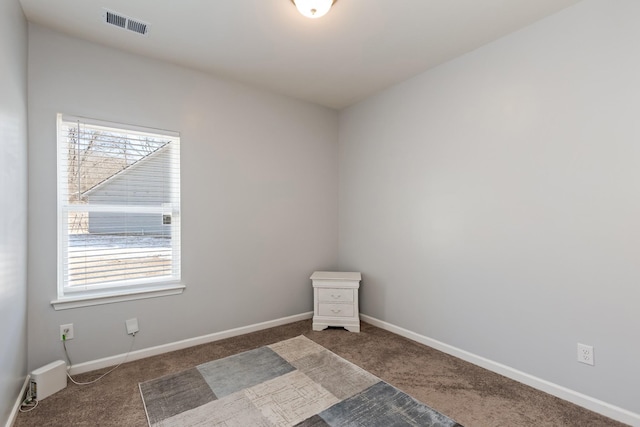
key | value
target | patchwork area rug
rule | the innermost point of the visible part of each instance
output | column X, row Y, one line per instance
column 291, row 383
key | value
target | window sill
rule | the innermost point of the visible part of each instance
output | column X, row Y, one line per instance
column 88, row 300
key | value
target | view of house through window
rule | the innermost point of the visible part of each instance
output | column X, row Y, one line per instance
column 118, row 205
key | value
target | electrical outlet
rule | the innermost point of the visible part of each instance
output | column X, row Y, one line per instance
column 132, row 326
column 585, row 354
column 66, row 332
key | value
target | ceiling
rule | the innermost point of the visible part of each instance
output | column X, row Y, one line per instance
column 359, row 48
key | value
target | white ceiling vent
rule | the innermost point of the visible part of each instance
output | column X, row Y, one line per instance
column 122, row 21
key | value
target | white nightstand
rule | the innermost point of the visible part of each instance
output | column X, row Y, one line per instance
column 335, row 300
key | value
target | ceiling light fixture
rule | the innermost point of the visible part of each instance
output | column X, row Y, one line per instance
column 313, row 8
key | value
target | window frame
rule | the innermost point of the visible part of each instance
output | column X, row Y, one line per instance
column 122, row 290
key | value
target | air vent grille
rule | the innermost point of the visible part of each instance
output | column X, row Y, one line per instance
column 138, row 27
column 117, row 20
column 123, row 21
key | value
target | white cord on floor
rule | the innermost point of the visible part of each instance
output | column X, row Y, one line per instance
column 28, row 405
column 133, row 339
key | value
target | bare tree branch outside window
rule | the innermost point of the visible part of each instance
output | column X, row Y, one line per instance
column 96, row 155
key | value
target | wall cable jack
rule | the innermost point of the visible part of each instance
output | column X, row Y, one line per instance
column 132, row 326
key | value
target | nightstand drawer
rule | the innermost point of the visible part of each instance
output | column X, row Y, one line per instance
column 337, row 310
column 335, row 295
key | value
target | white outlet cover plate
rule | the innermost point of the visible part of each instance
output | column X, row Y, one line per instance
column 132, row 326
column 69, row 335
column 585, row 354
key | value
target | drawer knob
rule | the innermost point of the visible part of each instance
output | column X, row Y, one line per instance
column 334, row 296
column 335, row 311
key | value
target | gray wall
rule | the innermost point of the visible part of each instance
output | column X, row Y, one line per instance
column 493, row 203
column 13, row 203
column 259, row 195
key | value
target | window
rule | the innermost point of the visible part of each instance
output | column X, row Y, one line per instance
column 118, row 212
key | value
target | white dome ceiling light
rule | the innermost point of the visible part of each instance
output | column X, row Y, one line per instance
column 313, row 8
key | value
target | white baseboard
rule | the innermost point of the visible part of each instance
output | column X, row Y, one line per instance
column 16, row 405
column 595, row 405
column 179, row 345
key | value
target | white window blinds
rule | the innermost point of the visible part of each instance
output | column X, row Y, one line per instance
column 118, row 207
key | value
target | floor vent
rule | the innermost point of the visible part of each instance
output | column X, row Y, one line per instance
column 122, row 21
